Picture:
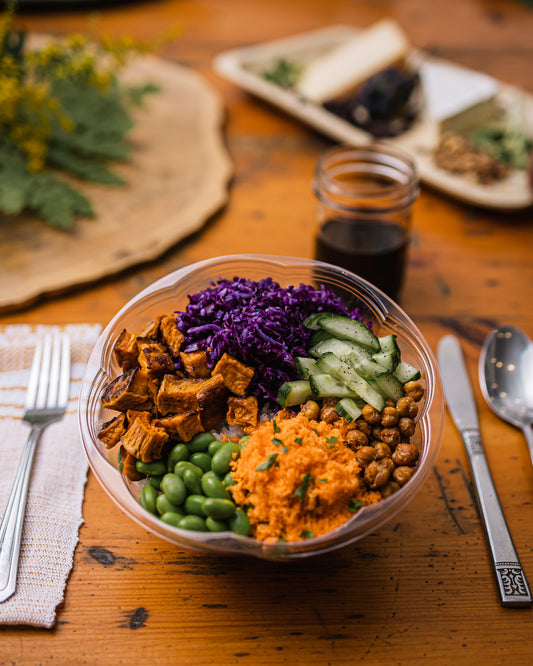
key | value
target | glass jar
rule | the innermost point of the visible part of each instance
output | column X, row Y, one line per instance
column 365, row 196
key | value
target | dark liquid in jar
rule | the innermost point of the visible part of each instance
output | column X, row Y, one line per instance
column 376, row 251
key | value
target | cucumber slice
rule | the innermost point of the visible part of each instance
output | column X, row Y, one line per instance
column 312, row 321
column 326, row 386
column 349, row 329
column 332, row 365
column 305, row 366
column 388, row 343
column 388, row 359
column 367, row 367
column 317, row 336
column 405, row 372
column 349, row 409
column 294, row 393
column 389, row 386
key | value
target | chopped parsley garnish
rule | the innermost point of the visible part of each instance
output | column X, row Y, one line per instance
column 307, row 534
column 307, row 483
column 331, row 440
column 275, row 426
column 323, row 480
column 276, row 441
column 285, row 449
column 354, row 505
column 299, row 440
column 265, row 466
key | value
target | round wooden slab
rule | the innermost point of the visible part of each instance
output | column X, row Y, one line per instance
column 177, row 177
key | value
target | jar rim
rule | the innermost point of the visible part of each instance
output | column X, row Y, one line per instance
column 397, row 169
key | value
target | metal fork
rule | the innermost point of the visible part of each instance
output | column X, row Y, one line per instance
column 46, row 402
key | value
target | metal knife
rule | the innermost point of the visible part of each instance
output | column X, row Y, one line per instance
column 512, row 585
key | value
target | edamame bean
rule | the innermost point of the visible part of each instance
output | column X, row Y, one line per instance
column 194, row 505
column 196, row 523
column 239, row 522
column 220, row 463
column 214, row 525
column 174, row 488
column 200, row 442
column 164, row 505
column 192, row 481
column 172, row 518
column 214, row 446
column 148, row 498
column 228, row 480
column 155, row 481
column 202, row 460
column 218, row 508
column 185, row 464
column 179, row 452
column 156, row 467
column 212, row 486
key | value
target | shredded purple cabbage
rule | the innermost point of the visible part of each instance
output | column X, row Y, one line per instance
column 259, row 323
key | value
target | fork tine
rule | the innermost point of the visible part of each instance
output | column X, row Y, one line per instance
column 42, row 391
column 33, row 383
column 64, row 380
column 54, row 372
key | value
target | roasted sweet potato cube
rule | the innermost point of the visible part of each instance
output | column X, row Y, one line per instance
column 237, row 376
column 185, row 426
column 212, row 400
column 177, row 395
column 144, row 439
column 125, row 350
column 129, row 391
column 195, row 364
column 129, row 468
column 171, row 334
column 152, row 330
column 154, row 357
column 242, row 411
column 111, row 431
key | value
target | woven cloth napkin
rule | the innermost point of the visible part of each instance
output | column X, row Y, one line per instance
column 59, row 473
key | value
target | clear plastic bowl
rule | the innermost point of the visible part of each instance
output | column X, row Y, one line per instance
column 169, row 294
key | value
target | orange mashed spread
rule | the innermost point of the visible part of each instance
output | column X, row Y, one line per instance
column 298, row 478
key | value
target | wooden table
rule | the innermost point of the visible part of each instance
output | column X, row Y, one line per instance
column 419, row 590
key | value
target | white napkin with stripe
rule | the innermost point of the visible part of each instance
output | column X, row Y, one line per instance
column 59, row 474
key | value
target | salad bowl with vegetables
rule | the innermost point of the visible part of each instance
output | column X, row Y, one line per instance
column 269, row 406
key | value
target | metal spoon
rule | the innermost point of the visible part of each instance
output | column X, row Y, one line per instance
column 506, row 378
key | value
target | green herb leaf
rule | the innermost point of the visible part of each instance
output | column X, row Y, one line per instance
column 354, row 505
column 307, row 534
column 332, row 439
column 275, row 426
column 307, row 483
column 299, row 440
column 276, row 441
column 265, row 466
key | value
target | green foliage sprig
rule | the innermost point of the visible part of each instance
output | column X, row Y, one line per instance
column 62, row 111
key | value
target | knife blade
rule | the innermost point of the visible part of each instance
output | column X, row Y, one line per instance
column 511, row 581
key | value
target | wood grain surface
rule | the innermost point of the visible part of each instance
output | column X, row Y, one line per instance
column 418, row 591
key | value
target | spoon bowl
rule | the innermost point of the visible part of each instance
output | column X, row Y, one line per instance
column 506, row 378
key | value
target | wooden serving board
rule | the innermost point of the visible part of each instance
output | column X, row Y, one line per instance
column 177, row 177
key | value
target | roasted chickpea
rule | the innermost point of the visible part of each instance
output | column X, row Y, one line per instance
column 310, row 410
column 406, row 406
column 363, row 426
column 376, row 475
column 414, row 390
column 365, row 455
column 382, row 450
column 356, row 439
column 375, row 433
column 402, row 474
column 405, row 454
column 389, row 417
column 329, row 414
column 390, row 436
column 371, row 415
column 389, row 489
column 406, row 426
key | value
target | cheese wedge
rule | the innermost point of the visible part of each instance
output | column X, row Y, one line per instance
column 353, row 62
column 457, row 98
